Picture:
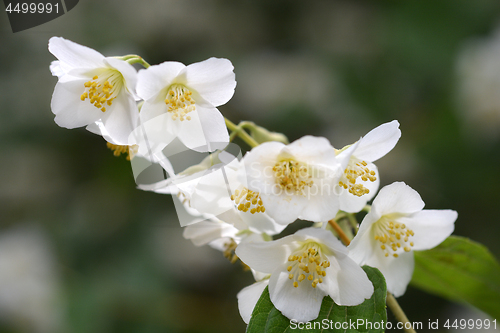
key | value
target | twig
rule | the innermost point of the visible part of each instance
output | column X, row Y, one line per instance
column 341, row 233
column 399, row 313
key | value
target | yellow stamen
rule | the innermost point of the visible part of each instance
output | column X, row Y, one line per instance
column 356, row 169
column 180, row 102
column 249, row 201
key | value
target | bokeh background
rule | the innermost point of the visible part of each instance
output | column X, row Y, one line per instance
column 82, row 250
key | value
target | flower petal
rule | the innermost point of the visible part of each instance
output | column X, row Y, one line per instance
column 397, row 271
column 302, row 303
column 191, row 133
column 204, row 232
column 397, row 198
column 321, row 206
column 214, row 128
column 430, row 227
column 70, row 111
column 156, row 78
column 121, row 119
column 157, row 127
column 211, row 193
column 322, row 236
column 56, row 69
column 314, row 150
column 213, row 79
column 283, row 208
column 258, row 175
column 378, row 142
column 353, row 283
column 248, row 298
column 363, row 246
column 127, row 71
column 261, row 223
column 266, row 256
column 73, row 55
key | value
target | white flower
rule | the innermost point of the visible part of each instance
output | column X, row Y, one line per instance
column 92, row 87
column 394, row 227
column 213, row 189
column 181, row 101
column 296, row 180
column 304, row 268
column 360, row 179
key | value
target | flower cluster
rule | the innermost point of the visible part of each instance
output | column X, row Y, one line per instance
column 238, row 204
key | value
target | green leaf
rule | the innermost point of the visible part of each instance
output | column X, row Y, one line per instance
column 460, row 270
column 267, row 319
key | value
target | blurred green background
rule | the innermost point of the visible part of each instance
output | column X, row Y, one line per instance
column 82, row 250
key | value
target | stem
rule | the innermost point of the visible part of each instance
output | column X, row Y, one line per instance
column 241, row 133
column 353, row 221
column 138, row 60
column 341, row 233
column 399, row 313
column 367, row 208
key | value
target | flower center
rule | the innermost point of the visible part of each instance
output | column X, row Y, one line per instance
column 248, row 200
column 180, row 102
column 309, row 264
column 393, row 236
column 118, row 150
column 292, row 176
column 102, row 91
column 354, row 170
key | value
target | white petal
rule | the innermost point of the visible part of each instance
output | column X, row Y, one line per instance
column 94, row 128
column 73, row 55
column 283, row 208
column 345, row 156
column 70, row 110
column 211, row 194
column 321, row 236
column 397, row 198
column 363, row 244
column 261, row 223
column 397, row 271
column 302, row 303
column 157, row 126
column 431, row 227
column 121, row 118
column 257, row 174
column 232, row 216
column 204, row 232
column 321, row 207
column 353, row 283
column 214, row 127
column 156, row 78
column 248, row 298
column 127, row 71
column 378, row 142
column 213, row 79
column 56, row 69
column 266, row 256
column 191, row 133
column 314, row 150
